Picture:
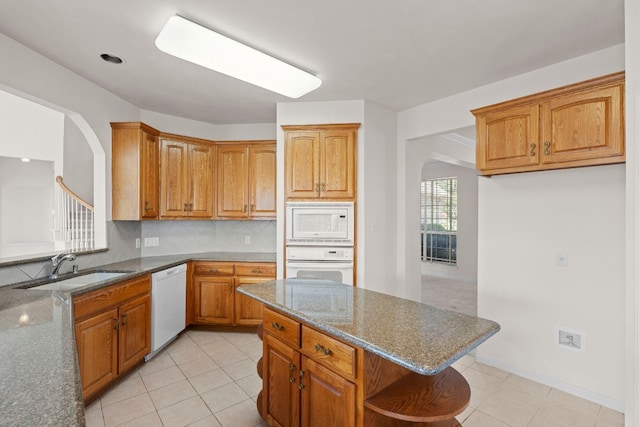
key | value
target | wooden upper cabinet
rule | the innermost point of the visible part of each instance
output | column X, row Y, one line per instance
column 134, row 171
column 246, row 180
column 586, row 125
column 262, row 181
column 186, row 179
column 575, row 125
column 508, row 139
column 321, row 162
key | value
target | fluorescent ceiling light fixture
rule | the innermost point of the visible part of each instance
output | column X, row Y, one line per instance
column 25, row 159
column 195, row 43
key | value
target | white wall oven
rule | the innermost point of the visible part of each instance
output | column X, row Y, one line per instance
column 324, row 263
column 320, row 224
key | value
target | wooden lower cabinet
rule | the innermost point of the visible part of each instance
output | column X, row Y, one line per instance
column 215, row 300
column 299, row 387
column 113, row 332
column 327, row 399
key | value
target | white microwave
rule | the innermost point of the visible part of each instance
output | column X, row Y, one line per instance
column 320, row 223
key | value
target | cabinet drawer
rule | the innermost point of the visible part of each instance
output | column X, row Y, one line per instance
column 110, row 296
column 213, row 269
column 329, row 352
column 282, row 327
column 254, row 269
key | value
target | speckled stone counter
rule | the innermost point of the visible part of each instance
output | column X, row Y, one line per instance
column 419, row 337
column 39, row 377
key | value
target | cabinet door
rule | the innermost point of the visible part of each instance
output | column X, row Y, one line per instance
column 201, row 158
column 508, row 139
column 174, row 179
column 302, row 158
column 337, row 164
column 280, row 392
column 262, row 181
column 583, row 126
column 149, row 170
column 97, row 343
column 247, row 310
column 232, row 181
column 214, row 300
column 327, row 399
column 135, row 332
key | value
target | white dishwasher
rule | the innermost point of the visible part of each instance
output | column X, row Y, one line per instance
column 168, row 306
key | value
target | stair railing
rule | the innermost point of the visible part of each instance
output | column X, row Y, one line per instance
column 73, row 220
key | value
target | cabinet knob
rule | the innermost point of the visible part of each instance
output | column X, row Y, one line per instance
column 532, row 153
column 547, row 146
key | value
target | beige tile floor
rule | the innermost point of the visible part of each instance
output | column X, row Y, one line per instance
column 209, row 379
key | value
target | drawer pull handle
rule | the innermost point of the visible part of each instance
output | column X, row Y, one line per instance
column 256, row 271
column 277, row 326
column 533, row 149
column 213, row 270
column 124, row 319
column 117, row 323
column 547, row 146
column 324, row 350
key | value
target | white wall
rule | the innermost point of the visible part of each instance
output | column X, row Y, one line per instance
column 632, row 295
column 196, row 129
column 603, row 380
column 525, row 221
column 466, row 268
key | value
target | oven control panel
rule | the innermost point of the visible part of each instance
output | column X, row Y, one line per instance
column 319, row 253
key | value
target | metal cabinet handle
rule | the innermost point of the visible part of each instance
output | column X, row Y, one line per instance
column 324, row 350
column 316, row 188
column 256, row 271
column 547, row 146
column 186, row 205
column 277, row 326
column 323, row 187
column 292, row 369
column 124, row 320
column 301, row 386
column 147, row 206
column 117, row 323
column 244, row 209
column 532, row 153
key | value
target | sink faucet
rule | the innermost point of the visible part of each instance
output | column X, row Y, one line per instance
column 56, row 263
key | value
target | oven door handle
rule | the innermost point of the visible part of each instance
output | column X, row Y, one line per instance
column 320, row 264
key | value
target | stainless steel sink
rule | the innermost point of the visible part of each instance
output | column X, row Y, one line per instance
column 79, row 281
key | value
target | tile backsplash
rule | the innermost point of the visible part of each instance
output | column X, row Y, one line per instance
column 175, row 237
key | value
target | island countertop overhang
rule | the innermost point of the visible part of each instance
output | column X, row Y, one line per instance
column 419, row 337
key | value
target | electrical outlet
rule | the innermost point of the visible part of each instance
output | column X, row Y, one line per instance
column 138, row 243
column 247, row 239
column 562, row 259
column 571, row 339
column 151, row 241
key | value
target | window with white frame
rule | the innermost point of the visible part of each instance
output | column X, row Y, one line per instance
column 439, row 220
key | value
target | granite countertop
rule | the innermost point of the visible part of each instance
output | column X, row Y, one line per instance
column 39, row 377
column 419, row 337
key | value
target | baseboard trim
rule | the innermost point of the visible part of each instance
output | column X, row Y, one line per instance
column 611, row 403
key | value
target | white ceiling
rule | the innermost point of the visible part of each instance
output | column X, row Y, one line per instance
column 395, row 53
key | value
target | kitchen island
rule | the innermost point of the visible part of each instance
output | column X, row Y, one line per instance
column 338, row 355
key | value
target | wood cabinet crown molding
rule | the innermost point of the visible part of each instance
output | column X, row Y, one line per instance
column 321, row 126
column 572, row 126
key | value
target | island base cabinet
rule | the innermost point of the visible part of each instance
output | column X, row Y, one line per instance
column 281, row 392
column 327, row 399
